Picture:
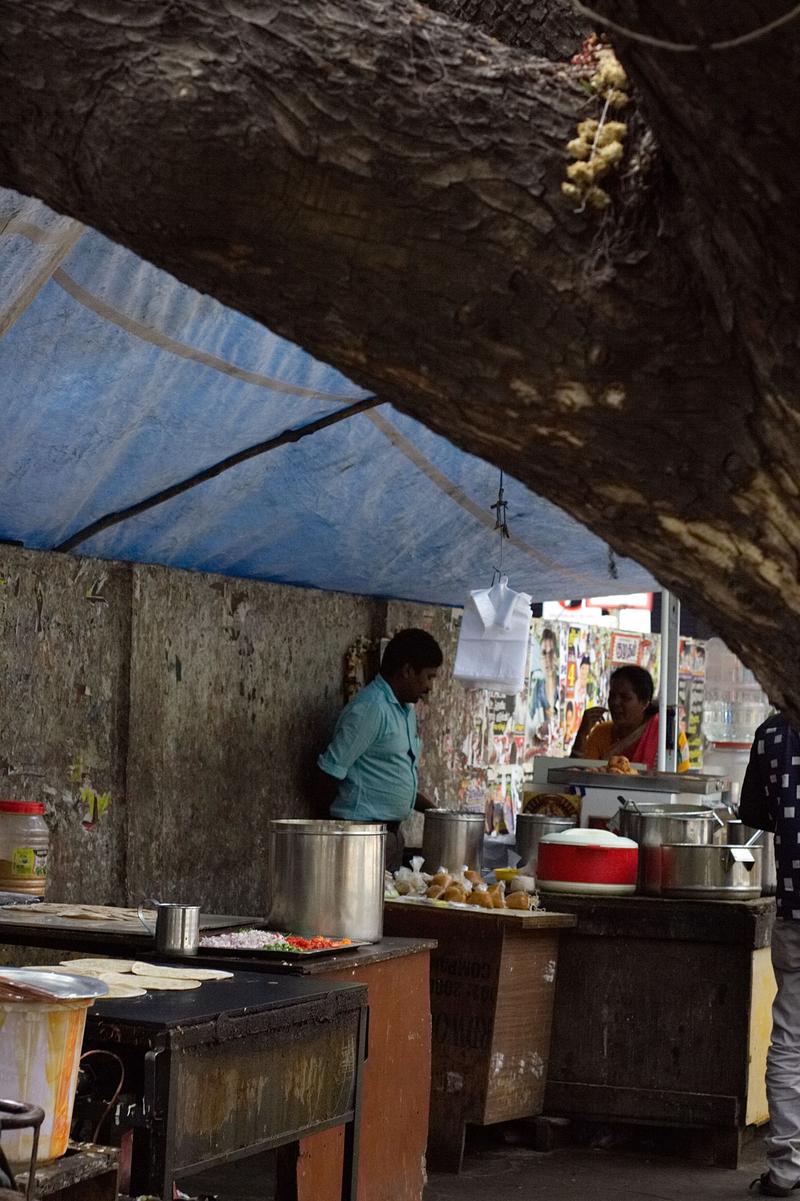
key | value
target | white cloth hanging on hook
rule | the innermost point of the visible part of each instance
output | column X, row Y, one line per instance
column 492, row 647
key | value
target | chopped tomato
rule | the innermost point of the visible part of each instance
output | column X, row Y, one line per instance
column 317, row 943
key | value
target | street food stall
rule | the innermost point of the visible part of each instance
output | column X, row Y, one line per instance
column 214, row 1064
column 397, row 1070
column 472, row 989
column 673, row 981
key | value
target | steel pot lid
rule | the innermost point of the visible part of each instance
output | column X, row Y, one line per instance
column 299, row 825
column 708, row 847
column 545, row 817
column 454, row 815
column 62, row 986
column 673, row 811
column 590, row 838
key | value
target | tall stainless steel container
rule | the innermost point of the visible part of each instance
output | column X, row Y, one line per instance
column 452, row 839
column 326, row 877
column 653, row 825
column 737, row 833
column 531, row 829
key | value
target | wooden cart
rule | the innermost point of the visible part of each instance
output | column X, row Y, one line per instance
column 492, row 989
column 663, row 1015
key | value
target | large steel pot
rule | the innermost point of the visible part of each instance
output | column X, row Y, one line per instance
column 737, row 833
column 531, row 829
column 452, row 839
column 326, row 877
column 711, row 873
column 652, row 825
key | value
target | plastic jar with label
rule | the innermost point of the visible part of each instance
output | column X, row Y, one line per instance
column 24, row 847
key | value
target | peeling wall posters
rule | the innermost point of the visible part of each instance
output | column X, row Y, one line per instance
column 624, row 648
column 507, row 723
column 569, row 670
column 691, row 692
column 544, row 689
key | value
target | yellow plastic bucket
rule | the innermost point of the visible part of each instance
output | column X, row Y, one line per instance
column 40, row 1049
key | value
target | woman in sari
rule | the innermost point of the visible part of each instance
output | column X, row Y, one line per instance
column 633, row 729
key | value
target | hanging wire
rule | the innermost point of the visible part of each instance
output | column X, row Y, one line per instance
column 500, row 507
column 647, row 39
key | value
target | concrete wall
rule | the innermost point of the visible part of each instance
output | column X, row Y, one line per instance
column 65, row 628
column 193, row 706
column 446, row 719
column 235, row 687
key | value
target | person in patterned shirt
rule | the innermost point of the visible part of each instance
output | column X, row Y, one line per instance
column 770, row 800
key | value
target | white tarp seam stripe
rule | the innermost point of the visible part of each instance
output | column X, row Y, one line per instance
column 62, row 243
column 460, row 497
column 129, row 324
column 163, row 341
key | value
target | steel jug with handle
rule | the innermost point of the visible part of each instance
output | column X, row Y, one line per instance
column 177, row 928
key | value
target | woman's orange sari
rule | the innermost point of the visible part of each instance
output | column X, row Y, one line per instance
column 640, row 747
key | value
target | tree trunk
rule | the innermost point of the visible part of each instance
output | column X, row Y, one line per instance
column 381, row 184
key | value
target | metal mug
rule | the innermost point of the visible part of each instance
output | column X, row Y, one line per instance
column 177, row 928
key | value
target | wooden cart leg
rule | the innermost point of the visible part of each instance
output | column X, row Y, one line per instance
column 726, row 1147
column 352, row 1131
column 286, row 1159
column 446, row 1133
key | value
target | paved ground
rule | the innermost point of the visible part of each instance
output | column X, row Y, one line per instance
column 499, row 1173
column 580, row 1174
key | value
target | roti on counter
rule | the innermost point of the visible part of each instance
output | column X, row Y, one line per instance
column 179, row 973
column 132, row 978
column 150, row 984
column 85, row 966
column 122, row 991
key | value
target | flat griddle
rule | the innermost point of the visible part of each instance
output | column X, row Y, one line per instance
column 244, row 992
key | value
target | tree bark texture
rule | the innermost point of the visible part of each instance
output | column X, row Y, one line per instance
column 381, row 184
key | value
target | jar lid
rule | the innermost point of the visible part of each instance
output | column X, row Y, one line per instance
column 21, row 807
column 590, row 838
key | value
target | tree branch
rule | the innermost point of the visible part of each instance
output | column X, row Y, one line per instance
column 727, row 122
column 548, row 28
column 382, row 185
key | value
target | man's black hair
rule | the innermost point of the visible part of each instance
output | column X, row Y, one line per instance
column 416, row 647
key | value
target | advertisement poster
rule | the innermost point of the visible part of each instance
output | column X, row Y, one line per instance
column 544, row 689
column 569, row 670
column 624, row 649
column 507, row 720
column 691, row 694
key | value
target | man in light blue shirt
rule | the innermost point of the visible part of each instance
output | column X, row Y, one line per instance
column 369, row 771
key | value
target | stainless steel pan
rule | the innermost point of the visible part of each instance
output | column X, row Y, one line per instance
column 711, row 873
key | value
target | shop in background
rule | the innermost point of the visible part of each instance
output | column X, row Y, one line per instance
column 734, row 707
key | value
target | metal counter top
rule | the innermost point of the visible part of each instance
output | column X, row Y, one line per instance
column 245, row 993
column 652, row 782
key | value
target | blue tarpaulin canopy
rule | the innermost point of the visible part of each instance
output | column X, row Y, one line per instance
column 116, row 381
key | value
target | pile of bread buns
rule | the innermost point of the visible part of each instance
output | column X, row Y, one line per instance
column 466, row 887
column 444, row 887
column 617, row 765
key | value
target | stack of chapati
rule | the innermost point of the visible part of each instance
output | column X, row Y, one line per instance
column 130, row 978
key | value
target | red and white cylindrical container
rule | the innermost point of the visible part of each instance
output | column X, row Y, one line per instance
column 24, row 845
column 587, row 861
